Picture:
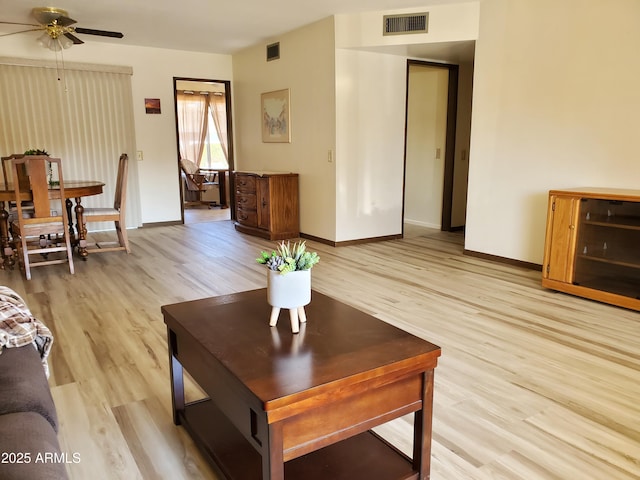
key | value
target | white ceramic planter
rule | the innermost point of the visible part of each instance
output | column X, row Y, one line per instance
column 292, row 291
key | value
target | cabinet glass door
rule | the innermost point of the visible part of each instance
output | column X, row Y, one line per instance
column 608, row 247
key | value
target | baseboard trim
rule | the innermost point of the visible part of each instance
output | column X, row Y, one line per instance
column 162, row 224
column 349, row 242
column 317, row 239
column 508, row 261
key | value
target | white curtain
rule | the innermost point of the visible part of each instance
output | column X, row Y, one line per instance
column 83, row 115
column 218, row 108
column 192, row 125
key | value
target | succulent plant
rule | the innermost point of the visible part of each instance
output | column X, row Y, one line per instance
column 34, row 151
column 289, row 258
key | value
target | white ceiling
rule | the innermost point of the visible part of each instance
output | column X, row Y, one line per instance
column 213, row 26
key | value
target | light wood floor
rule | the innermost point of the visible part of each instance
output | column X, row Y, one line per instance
column 201, row 214
column 531, row 384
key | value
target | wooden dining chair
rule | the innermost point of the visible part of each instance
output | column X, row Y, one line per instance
column 9, row 210
column 37, row 231
column 115, row 214
column 7, row 172
column 9, row 177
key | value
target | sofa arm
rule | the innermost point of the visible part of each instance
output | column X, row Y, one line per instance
column 24, row 385
column 29, row 449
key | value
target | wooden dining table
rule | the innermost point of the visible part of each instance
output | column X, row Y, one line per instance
column 73, row 189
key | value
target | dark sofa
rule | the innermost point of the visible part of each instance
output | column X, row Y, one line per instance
column 29, row 445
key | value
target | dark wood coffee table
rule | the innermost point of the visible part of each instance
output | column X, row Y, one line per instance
column 299, row 406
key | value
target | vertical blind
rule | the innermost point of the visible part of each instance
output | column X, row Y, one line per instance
column 82, row 114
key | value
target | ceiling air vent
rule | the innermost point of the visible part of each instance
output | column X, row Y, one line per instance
column 406, row 23
column 273, row 51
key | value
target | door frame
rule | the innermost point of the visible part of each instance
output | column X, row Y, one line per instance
column 450, row 142
column 230, row 150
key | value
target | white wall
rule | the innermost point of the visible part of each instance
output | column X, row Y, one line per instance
column 556, row 105
column 306, row 67
column 153, row 72
column 447, row 23
column 370, row 116
column 370, row 99
column 343, row 100
column 426, row 137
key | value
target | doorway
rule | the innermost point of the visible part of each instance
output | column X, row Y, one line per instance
column 204, row 136
column 432, row 197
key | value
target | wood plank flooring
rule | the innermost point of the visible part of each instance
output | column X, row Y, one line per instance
column 531, row 384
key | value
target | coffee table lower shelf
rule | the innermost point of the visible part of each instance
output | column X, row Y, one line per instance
column 363, row 456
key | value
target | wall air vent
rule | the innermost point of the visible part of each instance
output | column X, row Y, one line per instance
column 273, row 51
column 406, row 23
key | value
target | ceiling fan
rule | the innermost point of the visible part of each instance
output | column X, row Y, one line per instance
column 58, row 32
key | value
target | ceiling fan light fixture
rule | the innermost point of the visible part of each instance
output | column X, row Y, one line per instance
column 55, row 45
column 65, row 41
column 45, row 40
column 52, row 44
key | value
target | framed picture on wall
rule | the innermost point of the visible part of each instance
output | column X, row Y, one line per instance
column 152, row 105
column 276, row 122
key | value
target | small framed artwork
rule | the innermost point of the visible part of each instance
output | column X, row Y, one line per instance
column 276, row 122
column 152, row 105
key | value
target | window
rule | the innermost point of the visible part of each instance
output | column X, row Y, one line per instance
column 212, row 154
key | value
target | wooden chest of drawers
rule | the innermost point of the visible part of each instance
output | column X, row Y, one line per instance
column 267, row 204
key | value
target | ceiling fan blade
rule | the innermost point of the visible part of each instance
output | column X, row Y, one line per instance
column 73, row 38
column 65, row 21
column 101, row 33
column 18, row 23
column 21, row 31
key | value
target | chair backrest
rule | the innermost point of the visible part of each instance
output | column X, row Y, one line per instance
column 190, row 167
column 37, row 171
column 121, row 182
column 6, row 165
column 9, row 177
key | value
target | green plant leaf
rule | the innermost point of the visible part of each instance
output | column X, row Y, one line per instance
column 289, row 258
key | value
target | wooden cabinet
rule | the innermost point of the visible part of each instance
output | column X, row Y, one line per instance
column 267, row 204
column 592, row 246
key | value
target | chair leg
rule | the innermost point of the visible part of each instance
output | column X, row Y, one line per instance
column 67, row 241
column 122, row 236
column 25, row 257
column 109, row 246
